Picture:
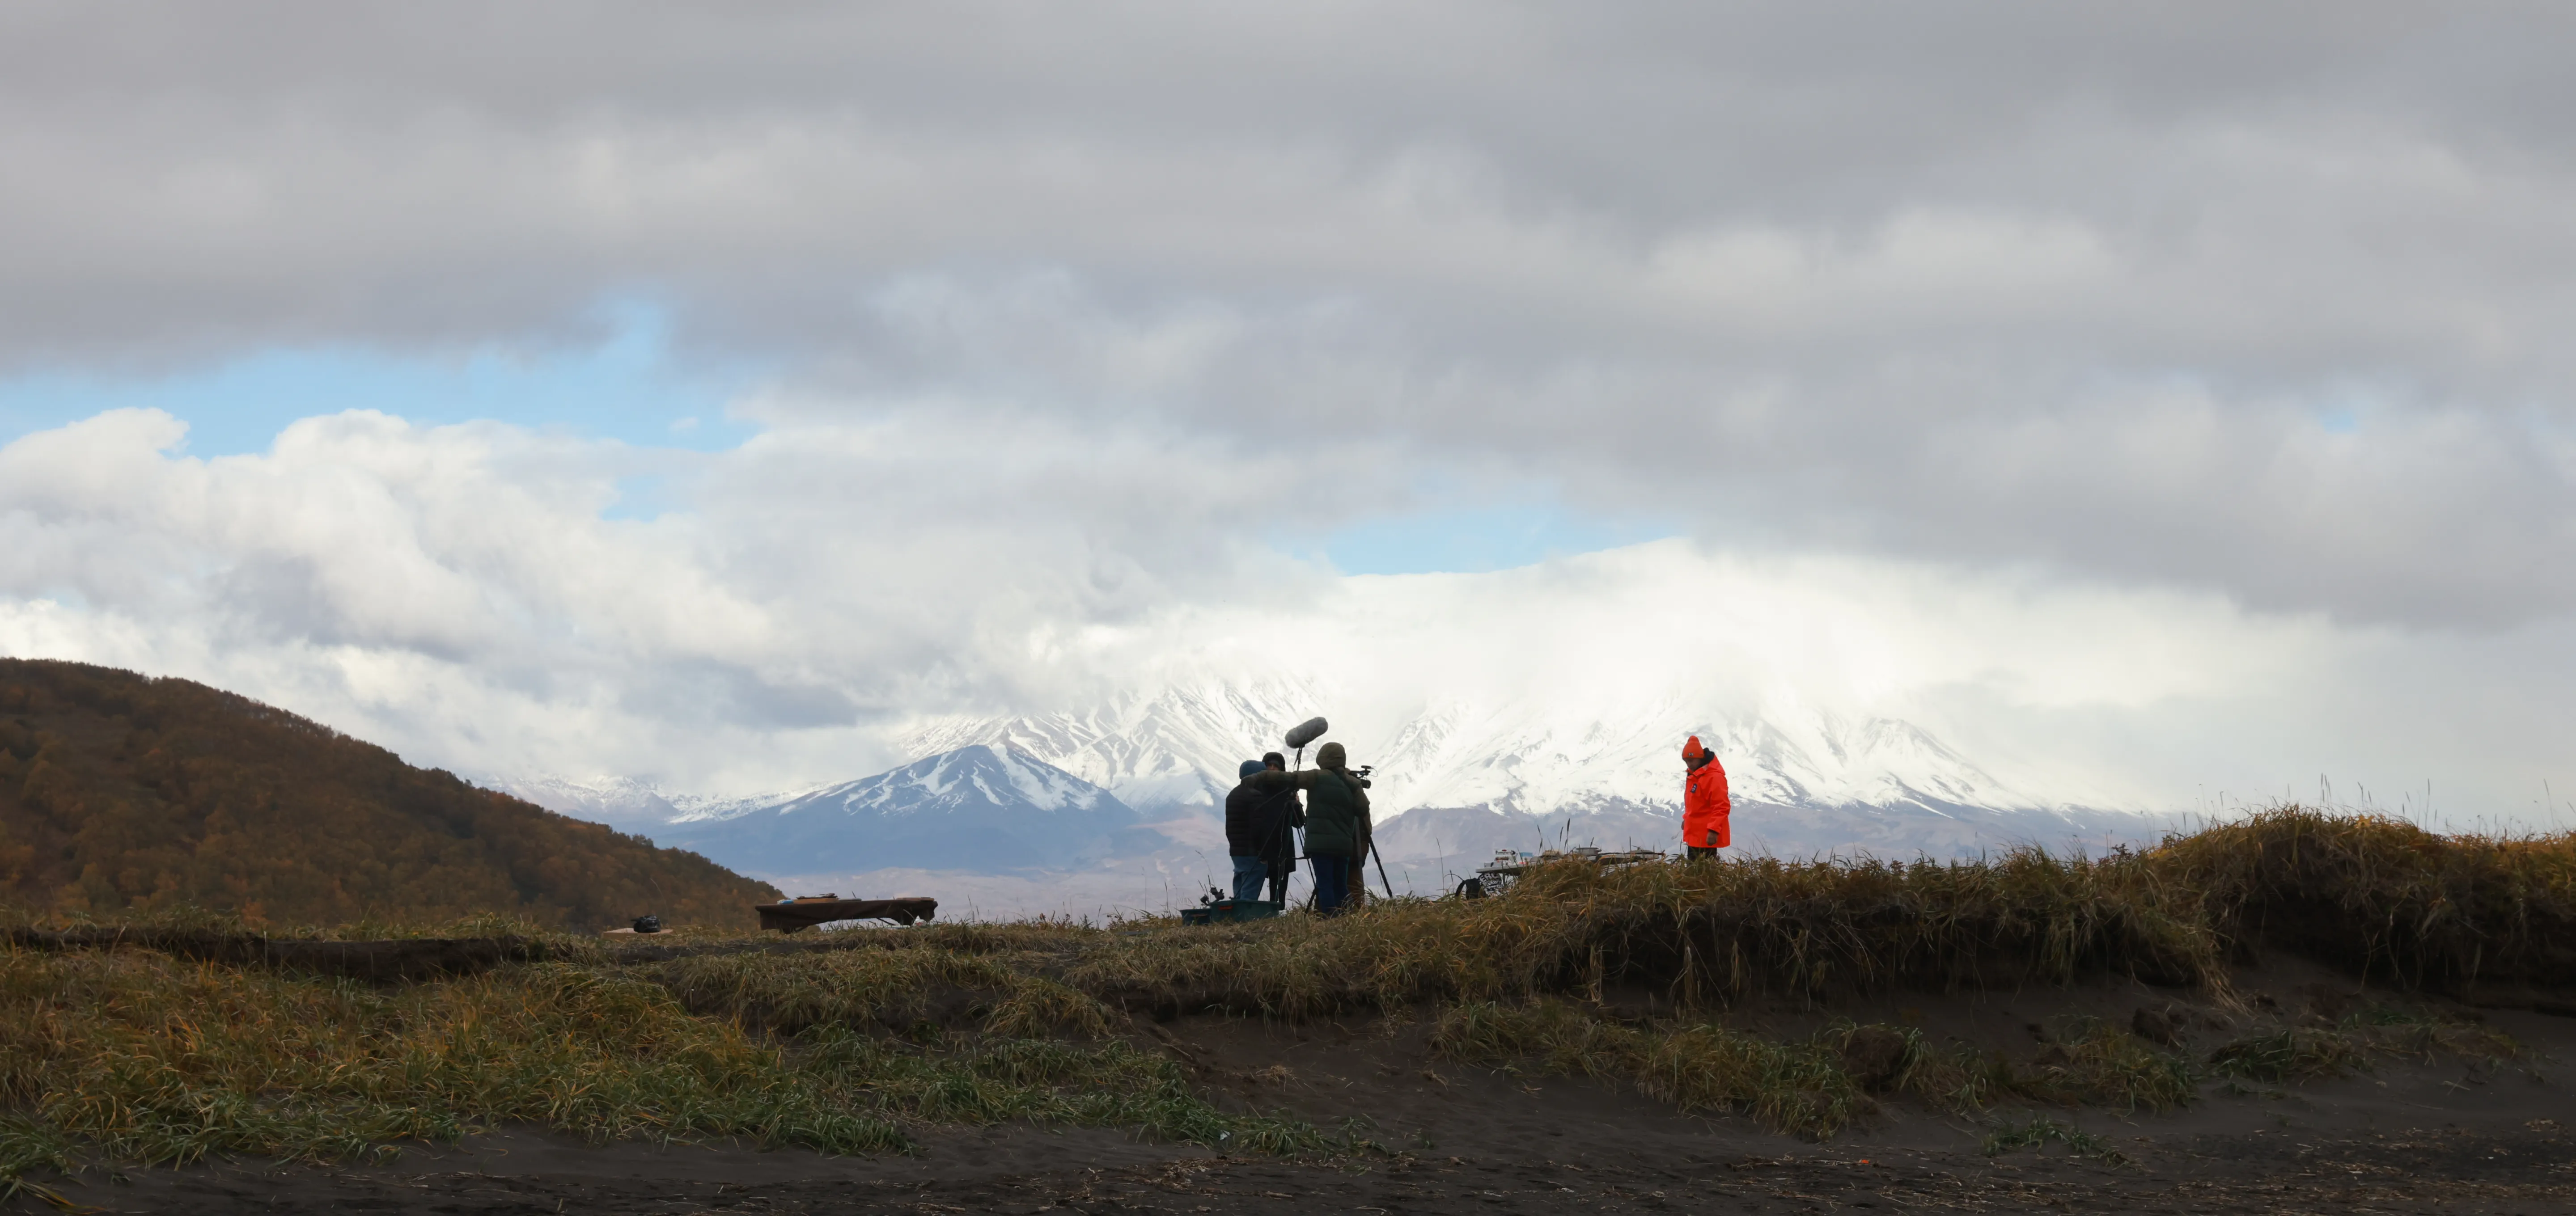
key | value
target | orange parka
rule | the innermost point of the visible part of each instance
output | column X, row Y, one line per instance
column 1704, row 802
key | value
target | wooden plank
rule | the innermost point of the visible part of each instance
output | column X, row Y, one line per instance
column 805, row 913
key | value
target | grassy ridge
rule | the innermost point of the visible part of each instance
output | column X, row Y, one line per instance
column 2383, row 898
column 114, row 1049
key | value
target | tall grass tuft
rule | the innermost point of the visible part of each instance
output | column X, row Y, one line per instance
column 2384, row 897
column 2376, row 895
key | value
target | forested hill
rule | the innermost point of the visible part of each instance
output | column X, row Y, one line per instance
column 122, row 793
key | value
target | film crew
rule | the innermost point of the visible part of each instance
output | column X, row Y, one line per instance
column 1337, row 815
column 1336, row 826
column 1260, row 819
column 1705, row 806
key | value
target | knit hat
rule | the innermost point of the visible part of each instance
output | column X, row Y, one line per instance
column 1331, row 755
column 1249, row 768
column 1692, row 750
column 1274, row 759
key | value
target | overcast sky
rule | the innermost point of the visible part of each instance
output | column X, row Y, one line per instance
column 696, row 391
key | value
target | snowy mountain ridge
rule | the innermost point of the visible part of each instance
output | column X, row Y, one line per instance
column 627, row 801
column 976, row 807
column 971, row 775
column 1010, row 810
column 1179, row 748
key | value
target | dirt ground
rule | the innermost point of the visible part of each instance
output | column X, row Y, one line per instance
column 2412, row 1135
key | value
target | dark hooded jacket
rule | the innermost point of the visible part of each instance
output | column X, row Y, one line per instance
column 1258, row 817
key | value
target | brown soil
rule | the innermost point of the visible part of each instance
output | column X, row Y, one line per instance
column 2413, row 1135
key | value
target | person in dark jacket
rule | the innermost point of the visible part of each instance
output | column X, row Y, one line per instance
column 1259, row 823
column 1279, row 845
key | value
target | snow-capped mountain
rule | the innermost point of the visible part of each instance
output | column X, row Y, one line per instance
column 625, row 802
column 1172, row 750
column 976, row 807
column 1454, row 781
column 1516, row 758
column 1180, row 748
column 617, row 801
column 1457, row 780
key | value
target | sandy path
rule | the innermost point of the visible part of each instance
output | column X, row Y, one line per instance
column 1029, row 1172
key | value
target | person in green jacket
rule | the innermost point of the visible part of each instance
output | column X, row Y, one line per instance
column 1337, row 826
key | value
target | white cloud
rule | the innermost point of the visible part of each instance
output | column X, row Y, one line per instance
column 2190, row 325
column 456, row 593
column 1967, row 282
column 815, row 581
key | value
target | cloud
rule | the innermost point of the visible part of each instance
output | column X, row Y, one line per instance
column 803, row 603
column 1967, row 282
column 463, row 589
column 1061, row 319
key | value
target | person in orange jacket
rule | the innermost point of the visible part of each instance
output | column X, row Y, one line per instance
column 1704, row 802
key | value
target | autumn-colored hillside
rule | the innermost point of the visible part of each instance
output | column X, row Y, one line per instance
column 123, row 793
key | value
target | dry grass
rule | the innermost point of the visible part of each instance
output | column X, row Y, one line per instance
column 787, row 993
column 2402, row 904
column 136, row 1056
column 840, row 1042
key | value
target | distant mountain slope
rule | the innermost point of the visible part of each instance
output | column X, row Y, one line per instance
column 626, row 803
column 1545, row 759
column 975, row 807
column 616, row 801
column 121, row 792
column 1456, row 839
column 1178, row 748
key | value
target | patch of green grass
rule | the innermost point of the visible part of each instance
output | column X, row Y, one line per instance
column 2415, row 1031
column 1800, row 1088
column 2311, row 1053
column 27, row 1144
column 1818, row 1086
column 2040, row 1131
column 2092, row 1062
column 2297, row 1054
column 134, row 1056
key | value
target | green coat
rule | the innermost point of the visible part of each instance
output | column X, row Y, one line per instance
column 1337, row 809
column 1337, row 813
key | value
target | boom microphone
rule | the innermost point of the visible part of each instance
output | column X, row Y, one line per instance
column 1306, row 732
